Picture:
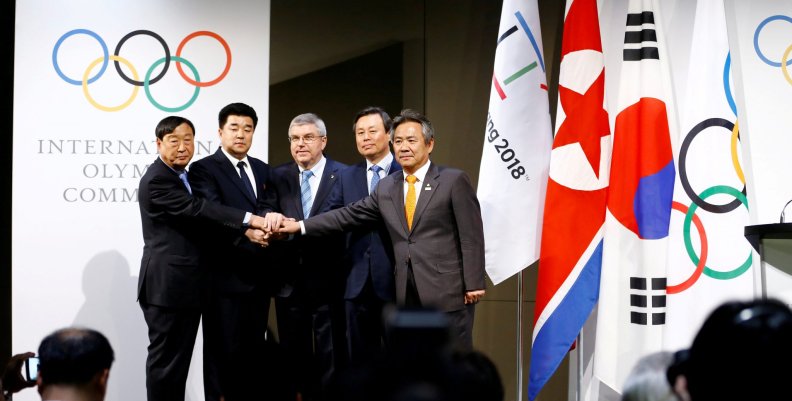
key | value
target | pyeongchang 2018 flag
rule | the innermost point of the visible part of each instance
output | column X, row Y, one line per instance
column 516, row 153
column 709, row 258
column 631, row 311
column 574, row 215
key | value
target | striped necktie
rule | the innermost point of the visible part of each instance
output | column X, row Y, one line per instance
column 305, row 192
column 375, row 178
column 183, row 178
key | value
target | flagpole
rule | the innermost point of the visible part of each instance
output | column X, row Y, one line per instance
column 519, row 336
column 579, row 358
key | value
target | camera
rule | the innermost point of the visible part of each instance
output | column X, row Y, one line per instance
column 32, row 369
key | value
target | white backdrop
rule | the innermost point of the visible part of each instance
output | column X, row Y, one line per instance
column 77, row 240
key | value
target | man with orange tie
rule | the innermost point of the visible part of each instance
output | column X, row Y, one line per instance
column 434, row 221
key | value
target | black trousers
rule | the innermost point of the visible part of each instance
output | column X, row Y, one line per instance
column 235, row 335
column 364, row 327
column 172, row 334
column 311, row 334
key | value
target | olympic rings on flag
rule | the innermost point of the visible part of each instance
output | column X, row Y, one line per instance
column 701, row 262
column 683, row 154
column 718, row 275
column 677, row 288
column 727, row 84
column 135, row 80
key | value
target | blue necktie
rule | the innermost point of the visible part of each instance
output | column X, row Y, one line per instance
column 305, row 190
column 183, row 178
column 375, row 178
column 245, row 180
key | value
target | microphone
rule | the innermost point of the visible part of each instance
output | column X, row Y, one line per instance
column 781, row 220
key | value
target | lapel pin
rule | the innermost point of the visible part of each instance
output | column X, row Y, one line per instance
column 428, row 187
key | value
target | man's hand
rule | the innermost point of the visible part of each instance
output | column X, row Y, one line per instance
column 12, row 376
column 289, row 226
column 472, row 297
column 259, row 223
column 274, row 220
column 257, row 236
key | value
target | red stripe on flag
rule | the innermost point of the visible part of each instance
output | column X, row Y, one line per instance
column 498, row 88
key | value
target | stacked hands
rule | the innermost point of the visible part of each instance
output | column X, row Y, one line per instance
column 271, row 226
column 277, row 226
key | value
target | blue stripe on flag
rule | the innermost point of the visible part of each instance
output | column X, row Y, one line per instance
column 531, row 37
column 562, row 327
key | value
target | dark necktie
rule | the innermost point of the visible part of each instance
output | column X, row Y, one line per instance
column 375, row 178
column 245, row 180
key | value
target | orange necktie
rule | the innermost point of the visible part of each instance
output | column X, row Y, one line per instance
column 409, row 203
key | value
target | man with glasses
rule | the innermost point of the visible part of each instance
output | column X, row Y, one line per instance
column 309, row 306
column 434, row 222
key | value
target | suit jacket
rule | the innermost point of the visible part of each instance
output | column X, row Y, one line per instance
column 236, row 265
column 171, row 273
column 368, row 252
column 445, row 245
column 312, row 266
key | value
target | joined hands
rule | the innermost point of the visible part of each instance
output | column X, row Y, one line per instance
column 262, row 229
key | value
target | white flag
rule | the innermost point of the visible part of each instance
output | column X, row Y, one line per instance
column 709, row 258
column 631, row 312
column 518, row 139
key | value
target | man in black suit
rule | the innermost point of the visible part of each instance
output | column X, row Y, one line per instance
column 310, row 304
column 369, row 257
column 171, row 282
column 241, row 277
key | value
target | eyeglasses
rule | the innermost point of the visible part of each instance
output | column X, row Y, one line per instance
column 307, row 139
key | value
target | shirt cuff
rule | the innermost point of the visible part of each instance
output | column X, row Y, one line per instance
column 302, row 227
column 246, row 220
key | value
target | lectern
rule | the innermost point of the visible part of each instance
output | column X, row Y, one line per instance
column 757, row 234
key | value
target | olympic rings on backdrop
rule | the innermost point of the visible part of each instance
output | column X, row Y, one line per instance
column 66, row 36
column 135, row 80
column 785, row 61
column 683, row 177
column 171, row 109
column 227, row 52
column 153, row 35
column 91, row 99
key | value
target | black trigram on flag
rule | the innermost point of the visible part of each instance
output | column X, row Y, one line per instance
column 640, row 38
column 647, row 304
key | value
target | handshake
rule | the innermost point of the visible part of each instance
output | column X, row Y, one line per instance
column 271, row 226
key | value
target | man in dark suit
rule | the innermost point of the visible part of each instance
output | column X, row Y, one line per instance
column 171, row 282
column 435, row 227
column 310, row 304
column 368, row 261
column 241, row 277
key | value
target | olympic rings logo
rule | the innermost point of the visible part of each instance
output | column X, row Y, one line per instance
column 135, row 80
column 698, row 200
column 785, row 61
